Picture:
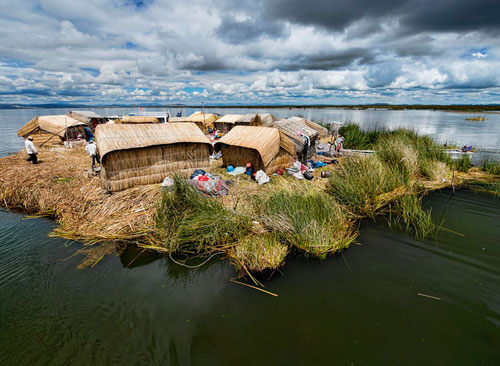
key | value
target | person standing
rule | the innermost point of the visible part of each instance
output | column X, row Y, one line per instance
column 91, row 148
column 167, row 116
column 31, row 150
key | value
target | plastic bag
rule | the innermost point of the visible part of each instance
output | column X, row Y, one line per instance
column 261, row 177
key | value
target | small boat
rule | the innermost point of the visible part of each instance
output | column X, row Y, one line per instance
column 477, row 118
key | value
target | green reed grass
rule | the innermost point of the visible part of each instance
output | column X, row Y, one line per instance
column 491, row 167
column 188, row 221
column 407, row 214
column 463, row 164
column 258, row 252
column 360, row 180
column 313, row 223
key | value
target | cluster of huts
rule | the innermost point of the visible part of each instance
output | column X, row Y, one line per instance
column 137, row 150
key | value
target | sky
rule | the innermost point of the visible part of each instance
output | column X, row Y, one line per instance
column 250, row 52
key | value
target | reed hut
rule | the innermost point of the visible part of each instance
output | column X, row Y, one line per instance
column 225, row 123
column 52, row 129
column 90, row 118
column 203, row 120
column 253, row 119
column 137, row 119
column 139, row 154
column 265, row 147
column 322, row 131
column 303, row 136
column 177, row 119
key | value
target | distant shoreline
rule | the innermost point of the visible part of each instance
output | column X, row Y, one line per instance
column 396, row 107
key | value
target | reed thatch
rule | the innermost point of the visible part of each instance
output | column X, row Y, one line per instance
column 177, row 119
column 264, row 119
column 90, row 118
column 266, row 148
column 295, row 128
column 227, row 122
column 133, row 155
column 51, row 129
column 322, row 131
column 203, row 120
column 137, row 119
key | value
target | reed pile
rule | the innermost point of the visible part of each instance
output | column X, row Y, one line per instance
column 60, row 187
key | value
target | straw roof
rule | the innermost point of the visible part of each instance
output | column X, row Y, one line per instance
column 55, row 125
column 178, row 119
column 293, row 126
column 198, row 117
column 84, row 116
column 322, row 131
column 266, row 140
column 112, row 137
column 229, row 118
column 139, row 119
column 266, row 119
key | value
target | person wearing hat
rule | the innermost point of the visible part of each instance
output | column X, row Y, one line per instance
column 91, row 148
column 31, row 150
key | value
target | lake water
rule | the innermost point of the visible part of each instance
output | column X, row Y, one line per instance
column 443, row 126
column 362, row 307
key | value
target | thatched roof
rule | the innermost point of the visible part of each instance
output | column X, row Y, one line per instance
column 197, row 117
column 266, row 140
column 84, row 116
column 293, row 126
column 266, row 119
column 139, row 119
column 55, row 125
column 322, row 131
column 178, row 119
column 229, row 118
column 112, row 137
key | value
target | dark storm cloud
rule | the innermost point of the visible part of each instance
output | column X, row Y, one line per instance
column 335, row 15
column 414, row 15
column 235, row 32
column 328, row 60
column 203, row 63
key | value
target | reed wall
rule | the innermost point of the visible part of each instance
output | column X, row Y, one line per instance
column 124, row 169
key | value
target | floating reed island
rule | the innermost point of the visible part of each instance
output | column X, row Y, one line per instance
column 255, row 226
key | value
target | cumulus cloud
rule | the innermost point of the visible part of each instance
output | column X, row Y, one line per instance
column 221, row 51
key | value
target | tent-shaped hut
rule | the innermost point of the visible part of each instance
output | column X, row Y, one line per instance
column 252, row 119
column 225, row 123
column 52, row 129
column 138, row 154
column 265, row 147
column 322, row 131
column 90, row 118
column 137, row 119
column 303, row 136
column 203, row 120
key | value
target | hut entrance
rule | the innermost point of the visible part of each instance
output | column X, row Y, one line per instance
column 240, row 156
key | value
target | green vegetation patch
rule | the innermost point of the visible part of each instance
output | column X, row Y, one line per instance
column 407, row 214
column 313, row 223
column 190, row 222
column 491, row 167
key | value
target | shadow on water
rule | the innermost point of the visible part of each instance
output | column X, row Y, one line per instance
column 362, row 308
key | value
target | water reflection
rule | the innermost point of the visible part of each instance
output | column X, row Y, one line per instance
column 362, row 308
